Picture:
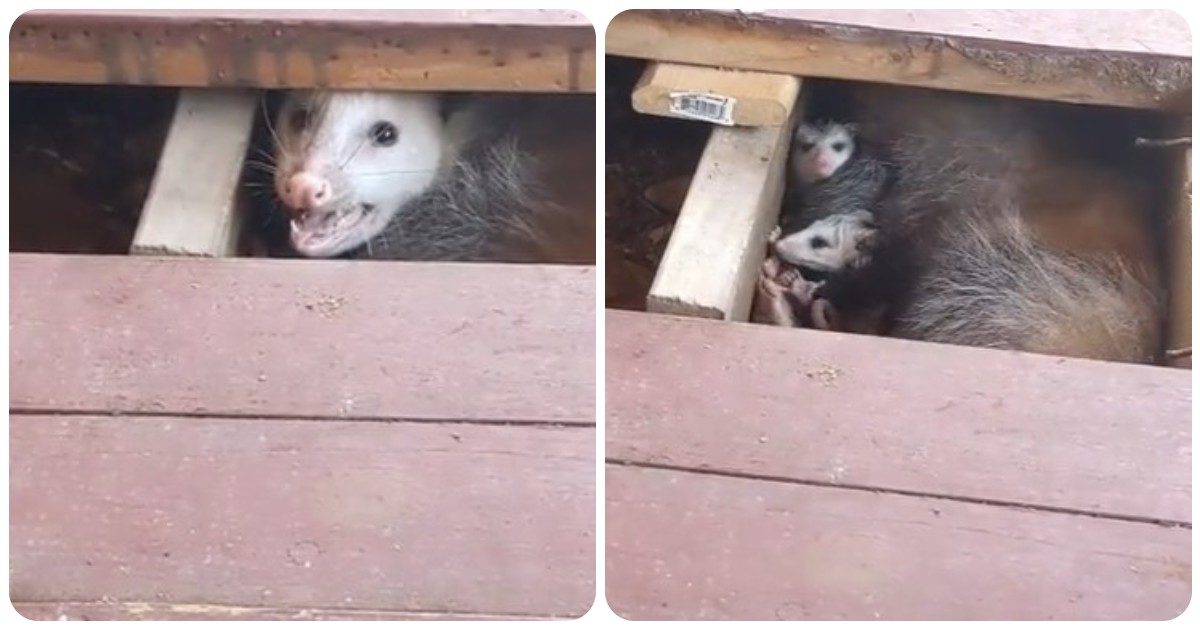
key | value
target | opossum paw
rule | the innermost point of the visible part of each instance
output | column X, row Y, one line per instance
column 824, row 316
column 770, row 267
column 789, row 276
column 775, row 234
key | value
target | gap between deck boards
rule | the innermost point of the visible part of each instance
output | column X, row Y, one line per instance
column 72, row 413
column 734, row 474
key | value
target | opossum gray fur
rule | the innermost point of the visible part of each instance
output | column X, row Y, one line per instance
column 855, row 184
column 981, row 278
column 483, row 203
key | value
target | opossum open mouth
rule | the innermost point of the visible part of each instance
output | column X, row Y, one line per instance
column 332, row 233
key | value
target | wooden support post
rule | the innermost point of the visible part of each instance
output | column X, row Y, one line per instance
column 710, row 264
column 730, row 97
column 1179, row 327
column 190, row 209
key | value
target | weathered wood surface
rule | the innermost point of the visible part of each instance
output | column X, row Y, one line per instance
column 295, row 338
column 280, row 514
column 711, row 263
column 899, row 415
column 693, row 546
column 494, row 50
column 1125, row 58
column 759, row 472
column 758, row 98
column 120, row 611
column 191, row 208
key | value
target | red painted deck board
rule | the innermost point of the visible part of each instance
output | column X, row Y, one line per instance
column 280, row 514
column 884, row 413
column 697, row 546
column 294, row 338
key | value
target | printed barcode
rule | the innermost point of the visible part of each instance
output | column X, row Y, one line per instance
column 709, row 107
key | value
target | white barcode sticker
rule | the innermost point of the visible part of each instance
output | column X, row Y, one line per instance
column 708, row 107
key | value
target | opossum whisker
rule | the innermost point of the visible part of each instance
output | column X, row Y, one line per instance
column 271, row 127
column 342, row 166
column 396, row 172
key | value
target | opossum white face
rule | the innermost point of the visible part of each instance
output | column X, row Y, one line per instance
column 347, row 161
column 835, row 243
column 818, row 151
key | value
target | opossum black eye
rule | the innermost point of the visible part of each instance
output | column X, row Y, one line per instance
column 819, row 242
column 298, row 121
column 806, row 146
column 838, row 146
column 383, row 134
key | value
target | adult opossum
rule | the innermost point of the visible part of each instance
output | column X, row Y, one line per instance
column 421, row 177
column 983, row 278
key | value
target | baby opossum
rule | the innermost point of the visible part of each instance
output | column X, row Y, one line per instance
column 826, row 227
column 408, row 176
column 830, row 173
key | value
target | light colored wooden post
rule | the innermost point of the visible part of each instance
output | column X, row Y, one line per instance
column 191, row 207
column 731, row 97
column 711, row 262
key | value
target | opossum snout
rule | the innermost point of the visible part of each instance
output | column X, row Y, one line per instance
column 305, row 191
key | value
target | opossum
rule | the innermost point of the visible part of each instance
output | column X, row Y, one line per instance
column 987, row 280
column 830, row 173
column 826, row 226
column 952, row 258
column 413, row 176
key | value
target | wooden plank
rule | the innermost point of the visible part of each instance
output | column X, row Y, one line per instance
column 476, row 50
column 441, row 518
column 872, row 412
column 752, row 99
column 1179, row 333
column 710, row 264
column 356, row 339
column 191, row 208
column 983, row 53
column 692, row 546
column 116, row 611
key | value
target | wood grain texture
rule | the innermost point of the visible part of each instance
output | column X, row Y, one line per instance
column 972, row 51
column 506, row 51
column 693, row 546
column 191, row 207
column 884, row 413
column 711, row 262
column 121, row 611
column 297, row 338
column 761, row 98
column 446, row 518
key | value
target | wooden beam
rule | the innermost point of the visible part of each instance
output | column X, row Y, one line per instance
column 191, row 208
column 429, row 50
column 303, row 338
column 687, row 545
column 1093, row 57
column 874, row 412
column 1179, row 229
column 210, row 514
column 730, row 97
column 711, row 262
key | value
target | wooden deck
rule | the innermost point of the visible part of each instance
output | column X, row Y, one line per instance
column 433, row 50
column 1129, row 58
column 764, row 473
column 287, row 439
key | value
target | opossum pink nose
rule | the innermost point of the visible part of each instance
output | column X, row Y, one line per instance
column 305, row 190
